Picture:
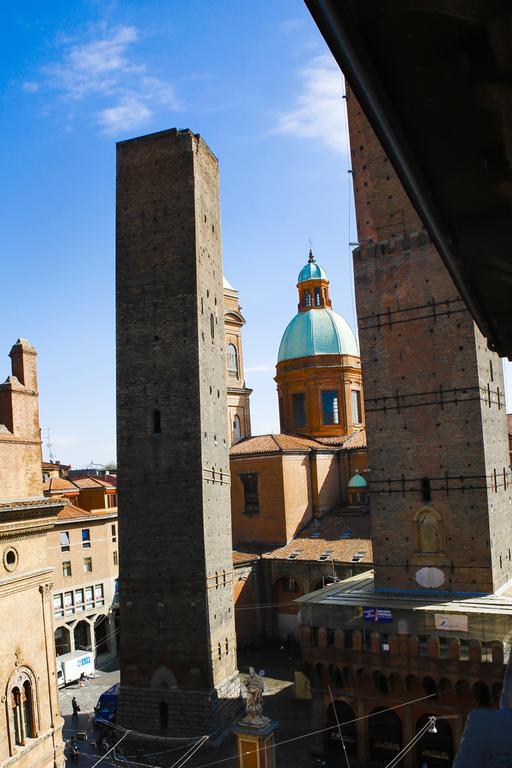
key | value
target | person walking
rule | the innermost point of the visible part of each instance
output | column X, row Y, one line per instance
column 76, row 708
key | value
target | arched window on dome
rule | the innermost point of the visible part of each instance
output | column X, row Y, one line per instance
column 356, row 406
column 330, row 408
column 232, row 360
column 317, row 297
column 237, row 430
column 307, row 298
column 299, row 409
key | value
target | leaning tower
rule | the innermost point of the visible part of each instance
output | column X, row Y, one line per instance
column 178, row 647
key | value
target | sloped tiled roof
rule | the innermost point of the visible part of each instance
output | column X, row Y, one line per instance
column 90, row 482
column 59, row 485
column 342, row 535
column 70, row 511
column 243, row 557
column 273, row 444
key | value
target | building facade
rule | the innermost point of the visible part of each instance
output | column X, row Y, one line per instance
column 292, row 499
column 83, row 549
column 30, row 724
column 178, row 645
column 239, row 412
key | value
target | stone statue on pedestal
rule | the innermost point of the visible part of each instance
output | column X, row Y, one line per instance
column 254, row 705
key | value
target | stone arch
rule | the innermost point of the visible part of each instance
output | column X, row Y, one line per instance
column 445, row 689
column 429, row 530
column 162, row 677
column 285, row 590
column 434, row 749
column 412, row 684
column 462, row 690
column 396, row 683
column 321, row 675
column 348, row 676
column 384, row 735
column 481, row 694
column 430, row 687
column 380, row 682
column 341, row 717
column 23, row 680
column 496, row 693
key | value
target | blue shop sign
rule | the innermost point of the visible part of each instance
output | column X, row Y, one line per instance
column 378, row 615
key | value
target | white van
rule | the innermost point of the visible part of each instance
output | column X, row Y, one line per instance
column 71, row 665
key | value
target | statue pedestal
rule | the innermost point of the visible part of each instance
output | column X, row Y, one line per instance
column 255, row 742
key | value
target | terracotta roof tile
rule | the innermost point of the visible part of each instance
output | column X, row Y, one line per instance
column 356, row 440
column 242, row 557
column 69, row 511
column 273, row 444
column 337, row 537
column 59, row 485
column 92, row 483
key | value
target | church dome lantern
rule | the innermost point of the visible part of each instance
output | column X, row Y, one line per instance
column 318, row 365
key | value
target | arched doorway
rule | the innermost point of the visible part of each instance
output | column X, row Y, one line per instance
column 82, row 633
column 284, row 593
column 384, row 736
column 434, row 749
column 345, row 717
column 101, row 635
column 62, row 641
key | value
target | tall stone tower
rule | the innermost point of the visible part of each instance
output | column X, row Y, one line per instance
column 178, row 648
column 434, row 396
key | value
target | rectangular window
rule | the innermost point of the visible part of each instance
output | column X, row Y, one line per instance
column 299, row 409
column 64, row 541
column 251, row 494
column 79, row 599
column 330, row 410
column 86, row 538
column 115, row 557
column 66, row 569
column 58, row 606
column 87, row 564
column 317, row 297
column 98, row 595
column 114, row 534
column 89, row 597
column 112, row 500
column 69, row 603
column 356, row 406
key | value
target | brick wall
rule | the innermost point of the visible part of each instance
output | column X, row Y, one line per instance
column 433, row 412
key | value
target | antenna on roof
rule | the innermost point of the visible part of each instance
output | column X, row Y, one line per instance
column 49, row 446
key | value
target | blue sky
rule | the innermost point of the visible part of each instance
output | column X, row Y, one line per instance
column 257, row 81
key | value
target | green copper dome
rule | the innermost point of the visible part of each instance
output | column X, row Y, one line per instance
column 312, row 271
column 317, row 332
column 357, row 481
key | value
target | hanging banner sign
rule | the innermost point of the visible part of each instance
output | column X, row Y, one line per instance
column 451, row 622
column 378, row 615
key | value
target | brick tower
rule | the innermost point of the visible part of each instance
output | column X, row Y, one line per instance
column 434, row 396
column 178, row 648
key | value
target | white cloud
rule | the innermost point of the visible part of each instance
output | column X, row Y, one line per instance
column 30, row 87
column 318, row 112
column 102, row 74
column 129, row 113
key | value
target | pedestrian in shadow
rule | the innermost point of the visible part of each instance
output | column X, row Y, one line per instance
column 76, row 708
